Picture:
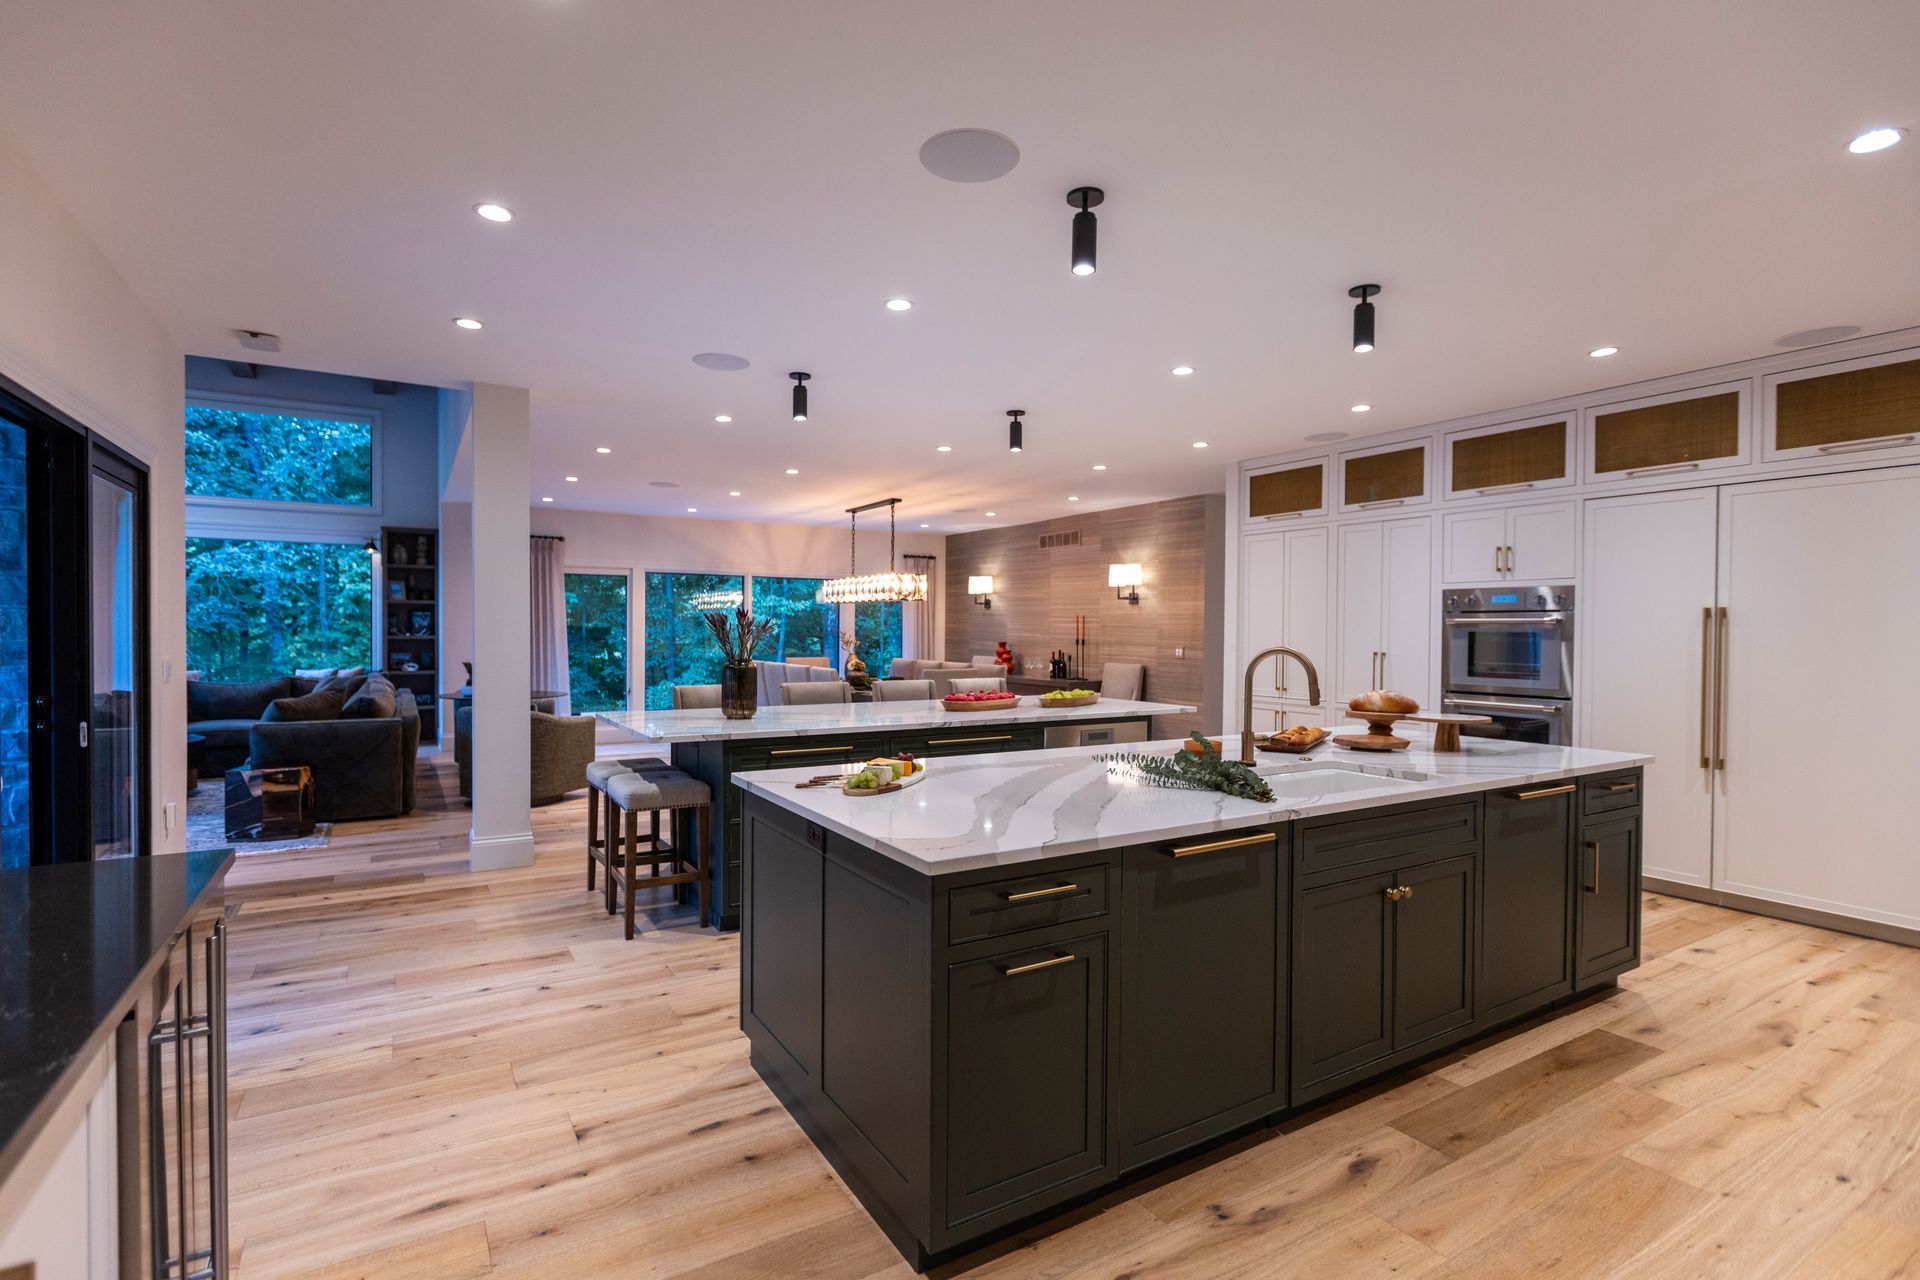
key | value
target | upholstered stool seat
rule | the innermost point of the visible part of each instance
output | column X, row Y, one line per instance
column 630, row 794
column 600, row 770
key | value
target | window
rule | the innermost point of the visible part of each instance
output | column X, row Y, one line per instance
column 680, row 649
column 17, row 620
column 262, row 456
column 877, row 635
column 597, row 641
column 807, row 628
column 257, row 609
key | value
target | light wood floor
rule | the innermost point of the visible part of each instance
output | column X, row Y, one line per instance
column 437, row 1075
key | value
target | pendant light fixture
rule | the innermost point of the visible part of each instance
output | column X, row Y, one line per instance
column 1085, row 227
column 1363, row 316
column 868, row 588
column 799, row 395
column 1013, row 430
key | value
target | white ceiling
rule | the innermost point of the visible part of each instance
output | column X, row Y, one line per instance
column 1528, row 180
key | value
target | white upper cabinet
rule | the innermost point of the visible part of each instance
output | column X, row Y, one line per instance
column 1284, row 593
column 1393, row 475
column 1669, row 436
column 1866, row 406
column 1511, row 458
column 1534, row 542
column 1294, row 491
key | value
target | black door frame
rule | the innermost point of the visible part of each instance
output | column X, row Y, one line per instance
column 63, row 455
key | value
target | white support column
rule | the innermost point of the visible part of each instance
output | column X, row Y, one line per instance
column 502, row 734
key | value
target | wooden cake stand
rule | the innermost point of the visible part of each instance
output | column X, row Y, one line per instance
column 1379, row 735
column 1446, row 727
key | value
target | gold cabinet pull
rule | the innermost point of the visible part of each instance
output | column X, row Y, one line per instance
column 958, row 742
column 1399, row 892
column 1618, row 787
column 1011, row 970
column 1593, row 847
column 807, row 751
column 1560, row 790
column 1720, row 692
column 1878, row 442
column 1241, row 842
column 1706, row 686
column 1663, row 469
column 1030, row 894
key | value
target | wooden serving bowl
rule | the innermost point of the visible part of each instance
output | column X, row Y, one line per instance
column 1057, row 703
column 1007, row 703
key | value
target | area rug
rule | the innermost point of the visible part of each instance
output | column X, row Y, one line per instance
column 207, row 825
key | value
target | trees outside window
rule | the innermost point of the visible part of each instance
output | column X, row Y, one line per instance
column 258, row 608
column 278, row 457
column 877, row 634
column 804, row 626
column 680, row 649
column 597, row 641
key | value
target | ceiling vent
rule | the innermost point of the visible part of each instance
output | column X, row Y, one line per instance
column 254, row 340
column 1071, row 538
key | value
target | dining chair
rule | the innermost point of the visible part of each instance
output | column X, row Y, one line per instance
column 806, row 692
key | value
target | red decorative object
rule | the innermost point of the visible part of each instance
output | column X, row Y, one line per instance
column 1003, row 657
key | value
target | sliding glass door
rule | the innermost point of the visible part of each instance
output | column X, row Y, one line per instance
column 16, row 676
column 597, row 641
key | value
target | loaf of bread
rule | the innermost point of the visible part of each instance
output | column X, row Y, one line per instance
column 1384, row 700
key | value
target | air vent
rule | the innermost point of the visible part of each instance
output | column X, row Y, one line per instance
column 1071, row 538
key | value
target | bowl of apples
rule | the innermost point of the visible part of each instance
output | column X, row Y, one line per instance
column 984, row 700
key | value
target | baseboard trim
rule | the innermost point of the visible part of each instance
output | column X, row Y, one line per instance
column 1784, row 911
column 499, row 853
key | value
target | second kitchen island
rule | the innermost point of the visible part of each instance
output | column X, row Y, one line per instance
column 1026, row 978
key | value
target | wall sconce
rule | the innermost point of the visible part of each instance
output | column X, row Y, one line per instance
column 1128, row 576
column 373, row 548
column 980, row 587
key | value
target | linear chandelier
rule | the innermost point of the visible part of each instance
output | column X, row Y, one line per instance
column 859, row 588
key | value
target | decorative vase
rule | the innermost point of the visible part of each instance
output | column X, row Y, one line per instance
column 739, row 690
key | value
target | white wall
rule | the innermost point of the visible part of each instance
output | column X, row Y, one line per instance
column 74, row 334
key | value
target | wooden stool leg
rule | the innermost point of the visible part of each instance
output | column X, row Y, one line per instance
column 593, row 832
column 702, row 818
column 631, row 865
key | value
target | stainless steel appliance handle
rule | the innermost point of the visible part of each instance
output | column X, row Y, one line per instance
column 1540, row 708
column 1504, row 620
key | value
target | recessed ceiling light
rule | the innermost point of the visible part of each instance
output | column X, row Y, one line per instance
column 793, row 471
column 1073, row 497
column 721, row 361
column 691, row 510
column 991, row 514
column 1601, row 353
column 943, row 448
column 1876, row 140
column 1182, row 370
column 573, row 479
column 926, row 526
column 733, row 493
column 1199, row 444
column 1361, row 408
column 1099, row 466
column 899, row 304
column 546, row 499
column 603, row 449
column 494, row 212
column 723, row 417
column 467, row 322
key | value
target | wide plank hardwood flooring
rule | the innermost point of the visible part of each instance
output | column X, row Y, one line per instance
column 444, row 1075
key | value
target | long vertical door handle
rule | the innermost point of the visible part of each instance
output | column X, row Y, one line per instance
column 1706, row 687
column 1593, row 847
column 1496, row 559
column 1720, row 692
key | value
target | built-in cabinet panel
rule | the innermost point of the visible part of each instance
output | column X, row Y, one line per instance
column 1290, row 492
column 1342, row 978
column 1526, row 900
column 1607, row 923
column 1433, row 949
column 1285, row 587
column 1396, row 475
column 1869, row 406
column 1271, row 715
column 1700, row 429
column 1514, row 457
column 1387, row 606
column 1644, row 662
column 1532, row 542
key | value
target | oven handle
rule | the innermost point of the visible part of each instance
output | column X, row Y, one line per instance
column 1506, row 620
column 1536, row 708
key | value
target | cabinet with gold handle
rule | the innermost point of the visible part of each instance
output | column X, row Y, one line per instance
column 1540, row 792
column 1052, row 891
column 1011, row 970
column 955, row 742
column 1706, row 687
column 1720, row 691
column 809, row 751
column 1593, row 848
column 1216, row 846
column 1399, row 892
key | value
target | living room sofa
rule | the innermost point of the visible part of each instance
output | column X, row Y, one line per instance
column 363, row 766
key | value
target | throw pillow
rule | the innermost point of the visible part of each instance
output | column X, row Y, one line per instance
column 374, row 700
column 347, row 684
column 321, row 704
column 313, row 673
column 348, row 673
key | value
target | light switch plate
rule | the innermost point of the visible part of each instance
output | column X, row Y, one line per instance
column 166, row 670
column 167, row 817
column 1179, row 652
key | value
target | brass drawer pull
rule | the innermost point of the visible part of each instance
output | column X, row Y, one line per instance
column 806, row 751
column 1030, row 894
column 1010, row 971
column 1618, row 787
column 1593, row 847
column 1545, row 791
column 1663, row 469
column 956, row 742
column 1399, row 891
column 1242, row 842
column 1878, row 442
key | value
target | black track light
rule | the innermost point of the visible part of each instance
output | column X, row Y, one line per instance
column 1013, row 430
column 1085, row 227
column 1363, row 316
column 799, row 395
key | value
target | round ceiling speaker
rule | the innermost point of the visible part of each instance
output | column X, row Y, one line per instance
column 663, row 484
column 969, row 155
column 721, row 361
column 1814, row 337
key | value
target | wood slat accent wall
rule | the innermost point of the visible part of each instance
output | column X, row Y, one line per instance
column 1180, row 546
column 1859, row 404
column 1660, row 434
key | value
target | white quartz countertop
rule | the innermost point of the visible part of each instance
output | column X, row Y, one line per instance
column 708, row 725
column 984, row 811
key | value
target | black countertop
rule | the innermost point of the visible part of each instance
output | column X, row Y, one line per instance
column 76, row 940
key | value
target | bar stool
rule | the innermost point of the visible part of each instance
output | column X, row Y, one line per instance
column 631, row 794
column 600, row 809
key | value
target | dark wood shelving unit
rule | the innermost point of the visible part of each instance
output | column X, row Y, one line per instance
column 410, row 621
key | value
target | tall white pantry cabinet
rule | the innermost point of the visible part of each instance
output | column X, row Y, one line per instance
column 1744, row 544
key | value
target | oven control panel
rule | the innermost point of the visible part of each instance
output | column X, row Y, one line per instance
column 1537, row 599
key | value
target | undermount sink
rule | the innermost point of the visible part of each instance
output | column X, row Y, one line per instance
column 1329, row 778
